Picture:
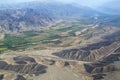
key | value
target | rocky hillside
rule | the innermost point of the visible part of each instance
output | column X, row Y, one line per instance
column 90, row 55
column 24, row 68
column 93, row 52
column 102, row 68
column 100, row 60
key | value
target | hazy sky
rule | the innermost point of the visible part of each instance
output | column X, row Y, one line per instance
column 91, row 3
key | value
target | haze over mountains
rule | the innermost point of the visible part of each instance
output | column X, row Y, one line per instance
column 59, row 40
column 16, row 17
column 111, row 7
column 35, row 14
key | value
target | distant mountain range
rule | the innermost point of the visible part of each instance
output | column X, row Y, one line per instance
column 111, row 7
column 34, row 15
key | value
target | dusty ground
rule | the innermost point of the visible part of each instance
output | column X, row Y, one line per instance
column 53, row 72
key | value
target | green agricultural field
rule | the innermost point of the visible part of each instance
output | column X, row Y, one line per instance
column 57, row 35
column 2, row 50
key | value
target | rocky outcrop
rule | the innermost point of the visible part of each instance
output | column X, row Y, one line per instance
column 77, row 68
column 92, row 53
column 20, row 77
column 24, row 68
column 99, row 68
column 1, row 76
column 24, row 60
column 107, row 65
column 61, row 64
column 48, row 62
